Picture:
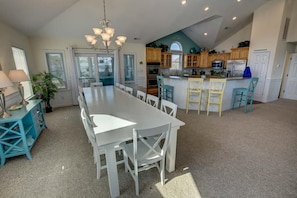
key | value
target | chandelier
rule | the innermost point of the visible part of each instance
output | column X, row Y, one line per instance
column 106, row 33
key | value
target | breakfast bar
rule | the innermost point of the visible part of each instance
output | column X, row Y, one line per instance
column 180, row 85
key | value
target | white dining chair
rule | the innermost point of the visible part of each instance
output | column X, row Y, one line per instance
column 96, row 84
column 147, row 150
column 168, row 107
column 129, row 90
column 117, row 85
column 122, row 87
column 97, row 150
column 152, row 100
column 141, row 95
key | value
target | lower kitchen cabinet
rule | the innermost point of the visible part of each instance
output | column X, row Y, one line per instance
column 152, row 91
column 19, row 132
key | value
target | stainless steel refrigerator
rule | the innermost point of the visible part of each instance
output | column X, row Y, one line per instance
column 235, row 68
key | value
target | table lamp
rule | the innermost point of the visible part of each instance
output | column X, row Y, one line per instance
column 4, row 82
column 19, row 76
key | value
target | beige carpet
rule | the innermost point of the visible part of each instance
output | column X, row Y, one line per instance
column 236, row 155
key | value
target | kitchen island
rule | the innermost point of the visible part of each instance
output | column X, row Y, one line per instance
column 180, row 85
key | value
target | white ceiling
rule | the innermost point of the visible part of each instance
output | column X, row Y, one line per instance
column 148, row 20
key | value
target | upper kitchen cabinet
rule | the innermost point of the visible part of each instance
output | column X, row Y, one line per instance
column 219, row 56
column 153, row 55
column 191, row 60
column 166, row 60
column 204, row 60
column 239, row 53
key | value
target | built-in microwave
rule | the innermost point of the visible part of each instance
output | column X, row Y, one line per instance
column 217, row 65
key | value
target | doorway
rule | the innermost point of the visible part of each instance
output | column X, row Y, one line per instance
column 289, row 88
column 259, row 66
column 94, row 68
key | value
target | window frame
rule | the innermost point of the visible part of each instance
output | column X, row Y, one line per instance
column 61, row 52
column 179, row 53
column 26, row 85
column 134, row 67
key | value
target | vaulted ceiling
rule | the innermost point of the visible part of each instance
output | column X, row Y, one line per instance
column 142, row 21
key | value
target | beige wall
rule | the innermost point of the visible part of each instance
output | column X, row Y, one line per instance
column 232, row 42
column 64, row 97
column 8, row 38
column 267, row 31
column 139, row 52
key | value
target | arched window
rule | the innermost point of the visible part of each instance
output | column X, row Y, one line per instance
column 177, row 54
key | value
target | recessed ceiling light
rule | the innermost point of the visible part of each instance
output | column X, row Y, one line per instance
column 234, row 18
column 183, row 2
column 206, row 8
column 205, row 34
column 238, row 0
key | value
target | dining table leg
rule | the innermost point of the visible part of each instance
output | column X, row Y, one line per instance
column 112, row 171
column 171, row 150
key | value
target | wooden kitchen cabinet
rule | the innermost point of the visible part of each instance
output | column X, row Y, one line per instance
column 152, row 91
column 191, row 60
column 166, row 60
column 204, row 60
column 153, row 55
column 219, row 56
column 239, row 53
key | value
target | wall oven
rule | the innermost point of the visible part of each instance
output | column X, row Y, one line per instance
column 153, row 69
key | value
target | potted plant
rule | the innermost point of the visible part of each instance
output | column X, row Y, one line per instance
column 44, row 88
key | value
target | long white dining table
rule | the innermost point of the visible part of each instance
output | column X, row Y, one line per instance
column 120, row 112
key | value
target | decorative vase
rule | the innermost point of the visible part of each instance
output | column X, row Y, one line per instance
column 247, row 72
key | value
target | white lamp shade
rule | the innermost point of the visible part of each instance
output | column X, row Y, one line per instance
column 4, row 80
column 105, row 37
column 18, row 75
column 89, row 38
column 94, row 42
column 109, row 31
column 122, row 39
column 97, row 31
column 106, row 43
column 118, row 42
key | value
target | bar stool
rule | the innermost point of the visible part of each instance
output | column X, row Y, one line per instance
column 164, row 91
column 216, row 93
column 194, row 92
column 245, row 95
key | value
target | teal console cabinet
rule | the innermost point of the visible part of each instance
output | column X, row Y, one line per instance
column 19, row 132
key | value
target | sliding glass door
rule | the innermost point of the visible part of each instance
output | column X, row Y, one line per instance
column 106, row 70
column 94, row 68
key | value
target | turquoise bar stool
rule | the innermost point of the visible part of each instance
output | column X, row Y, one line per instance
column 164, row 91
column 245, row 95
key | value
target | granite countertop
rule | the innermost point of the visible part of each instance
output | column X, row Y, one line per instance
column 207, row 77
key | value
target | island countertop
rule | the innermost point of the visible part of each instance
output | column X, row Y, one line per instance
column 207, row 77
column 180, row 85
